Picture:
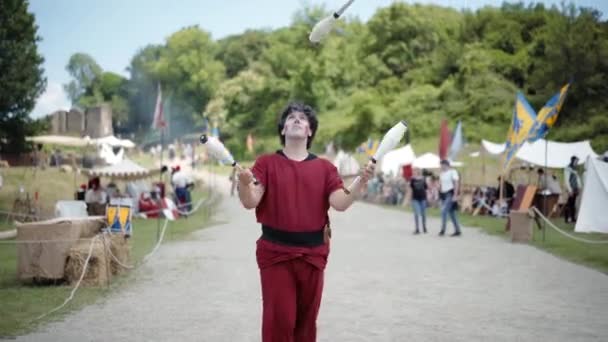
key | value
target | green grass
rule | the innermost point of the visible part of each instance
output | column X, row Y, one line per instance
column 591, row 255
column 51, row 185
column 4, row 225
column 22, row 303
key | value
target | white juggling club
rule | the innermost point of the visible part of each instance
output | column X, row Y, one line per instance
column 389, row 141
column 220, row 152
column 322, row 28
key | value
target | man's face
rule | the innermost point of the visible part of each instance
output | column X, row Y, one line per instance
column 296, row 126
column 444, row 167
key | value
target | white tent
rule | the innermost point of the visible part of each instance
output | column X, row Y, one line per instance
column 430, row 161
column 106, row 152
column 493, row 148
column 125, row 169
column 113, row 142
column 593, row 216
column 558, row 153
column 346, row 164
column 62, row 140
column 393, row 161
column 66, row 140
column 111, row 149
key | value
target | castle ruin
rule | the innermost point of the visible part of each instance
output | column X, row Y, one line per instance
column 96, row 122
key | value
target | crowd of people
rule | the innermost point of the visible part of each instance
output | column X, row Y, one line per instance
column 423, row 189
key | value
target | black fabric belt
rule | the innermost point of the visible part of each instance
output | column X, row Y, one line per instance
column 301, row 239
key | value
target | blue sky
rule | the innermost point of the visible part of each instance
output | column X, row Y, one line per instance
column 112, row 31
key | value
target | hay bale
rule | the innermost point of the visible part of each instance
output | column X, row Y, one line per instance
column 65, row 168
column 97, row 273
column 119, row 246
column 90, row 226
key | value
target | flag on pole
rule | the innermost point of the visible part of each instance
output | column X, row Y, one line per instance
column 547, row 116
column 444, row 139
column 159, row 121
column 457, row 142
column 523, row 119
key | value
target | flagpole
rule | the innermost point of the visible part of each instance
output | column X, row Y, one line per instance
column 546, row 183
column 159, row 122
column 160, row 180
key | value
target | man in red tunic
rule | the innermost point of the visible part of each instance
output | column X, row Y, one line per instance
column 291, row 191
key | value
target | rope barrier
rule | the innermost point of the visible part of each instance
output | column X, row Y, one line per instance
column 563, row 232
column 71, row 296
column 107, row 248
column 184, row 213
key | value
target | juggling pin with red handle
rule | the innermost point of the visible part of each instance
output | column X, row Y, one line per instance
column 220, row 152
column 389, row 141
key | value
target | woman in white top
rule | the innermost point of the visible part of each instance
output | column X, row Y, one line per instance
column 449, row 191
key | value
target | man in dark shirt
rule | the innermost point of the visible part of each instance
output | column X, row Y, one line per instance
column 508, row 192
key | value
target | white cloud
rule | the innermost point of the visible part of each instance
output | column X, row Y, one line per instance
column 53, row 98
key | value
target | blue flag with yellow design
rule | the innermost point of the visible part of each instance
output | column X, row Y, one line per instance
column 523, row 120
column 548, row 115
column 368, row 147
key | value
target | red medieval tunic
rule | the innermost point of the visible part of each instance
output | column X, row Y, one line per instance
column 291, row 253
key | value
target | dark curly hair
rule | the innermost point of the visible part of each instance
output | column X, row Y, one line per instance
column 310, row 115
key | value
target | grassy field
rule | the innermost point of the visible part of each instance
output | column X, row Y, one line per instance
column 22, row 303
column 50, row 184
column 591, row 255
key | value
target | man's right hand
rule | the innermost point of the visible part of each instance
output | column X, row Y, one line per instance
column 245, row 177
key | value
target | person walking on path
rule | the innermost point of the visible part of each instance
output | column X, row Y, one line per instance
column 418, row 199
column 449, row 190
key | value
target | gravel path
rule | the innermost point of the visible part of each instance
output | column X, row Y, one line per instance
column 382, row 284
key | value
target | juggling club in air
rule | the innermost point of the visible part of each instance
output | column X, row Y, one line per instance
column 220, row 152
column 322, row 28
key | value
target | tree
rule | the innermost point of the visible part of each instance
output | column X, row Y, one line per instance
column 239, row 51
column 84, row 70
column 21, row 74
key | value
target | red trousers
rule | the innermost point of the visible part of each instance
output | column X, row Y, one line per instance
column 292, row 286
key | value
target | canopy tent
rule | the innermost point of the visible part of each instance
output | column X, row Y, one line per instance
column 430, row 161
column 393, row 161
column 593, row 216
column 493, row 148
column 107, row 153
column 346, row 164
column 114, row 142
column 62, row 140
column 558, row 153
column 65, row 140
column 126, row 169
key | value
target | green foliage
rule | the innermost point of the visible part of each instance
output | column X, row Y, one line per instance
column 91, row 86
column 85, row 70
column 421, row 63
column 21, row 74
